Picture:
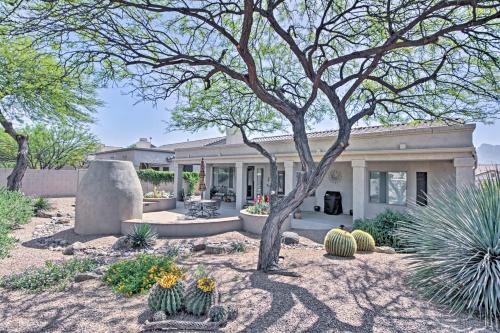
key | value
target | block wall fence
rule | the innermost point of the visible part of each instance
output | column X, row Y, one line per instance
column 58, row 183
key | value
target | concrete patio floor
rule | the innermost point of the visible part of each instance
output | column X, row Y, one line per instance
column 321, row 221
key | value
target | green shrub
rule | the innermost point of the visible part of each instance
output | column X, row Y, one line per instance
column 142, row 236
column 456, row 240
column 15, row 209
column 138, row 275
column 52, row 275
column 383, row 228
column 191, row 178
column 41, row 204
column 156, row 178
column 238, row 247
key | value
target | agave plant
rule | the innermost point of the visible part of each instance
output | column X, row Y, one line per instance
column 456, row 240
column 142, row 236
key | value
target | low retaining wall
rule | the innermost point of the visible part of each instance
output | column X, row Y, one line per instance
column 254, row 223
column 157, row 205
column 188, row 229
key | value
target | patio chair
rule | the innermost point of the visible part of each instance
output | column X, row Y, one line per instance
column 217, row 207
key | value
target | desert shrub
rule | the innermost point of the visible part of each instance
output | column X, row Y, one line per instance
column 383, row 228
column 41, row 204
column 51, row 275
column 142, row 236
column 238, row 247
column 138, row 275
column 172, row 251
column 15, row 209
column 191, row 178
column 456, row 240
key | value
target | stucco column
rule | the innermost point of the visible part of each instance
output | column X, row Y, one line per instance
column 208, row 179
column 239, row 185
column 177, row 169
column 288, row 177
column 464, row 171
column 359, row 186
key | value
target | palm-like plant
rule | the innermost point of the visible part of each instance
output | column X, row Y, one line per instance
column 456, row 240
column 142, row 236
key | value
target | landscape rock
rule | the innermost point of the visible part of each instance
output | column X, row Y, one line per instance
column 289, row 237
column 217, row 248
column 199, row 246
column 69, row 250
column 385, row 249
column 122, row 243
column 79, row 246
column 61, row 220
column 101, row 270
column 43, row 214
column 80, row 277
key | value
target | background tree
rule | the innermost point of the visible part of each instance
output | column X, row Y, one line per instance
column 55, row 146
column 34, row 87
column 391, row 61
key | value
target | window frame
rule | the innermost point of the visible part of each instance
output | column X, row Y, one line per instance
column 383, row 191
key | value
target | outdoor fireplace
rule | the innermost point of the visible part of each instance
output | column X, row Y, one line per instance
column 333, row 203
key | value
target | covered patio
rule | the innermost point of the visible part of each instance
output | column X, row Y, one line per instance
column 321, row 221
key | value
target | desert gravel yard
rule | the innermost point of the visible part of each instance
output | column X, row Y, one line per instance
column 364, row 294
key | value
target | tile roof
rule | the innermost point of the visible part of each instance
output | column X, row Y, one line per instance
column 355, row 131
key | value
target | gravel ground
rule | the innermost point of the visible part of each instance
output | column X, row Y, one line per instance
column 364, row 294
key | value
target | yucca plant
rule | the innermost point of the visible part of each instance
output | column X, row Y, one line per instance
column 456, row 240
column 142, row 236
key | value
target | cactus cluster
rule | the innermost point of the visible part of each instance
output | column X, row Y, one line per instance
column 340, row 243
column 364, row 240
column 201, row 295
column 167, row 295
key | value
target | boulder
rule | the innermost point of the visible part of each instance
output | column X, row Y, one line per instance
column 79, row 246
column 217, row 248
column 69, row 250
column 80, row 277
column 289, row 237
column 43, row 214
column 122, row 243
column 384, row 249
column 199, row 246
column 110, row 192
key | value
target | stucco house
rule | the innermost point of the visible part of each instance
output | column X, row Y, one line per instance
column 383, row 167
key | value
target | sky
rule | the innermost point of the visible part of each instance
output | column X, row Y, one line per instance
column 123, row 120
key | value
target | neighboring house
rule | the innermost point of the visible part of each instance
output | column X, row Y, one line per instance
column 484, row 171
column 383, row 167
column 142, row 154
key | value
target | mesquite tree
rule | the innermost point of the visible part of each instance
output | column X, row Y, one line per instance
column 394, row 60
column 35, row 87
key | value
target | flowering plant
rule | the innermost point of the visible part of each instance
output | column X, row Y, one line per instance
column 206, row 284
column 261, row 205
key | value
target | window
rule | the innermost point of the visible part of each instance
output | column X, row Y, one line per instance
column 260, row 181
column 166, row 168
column 222, row 177
column 388, row 187
column 281, row 182
column 422, row 188
column 187, row 168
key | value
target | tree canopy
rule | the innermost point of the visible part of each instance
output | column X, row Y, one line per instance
column 393, row 61
column 52, row 147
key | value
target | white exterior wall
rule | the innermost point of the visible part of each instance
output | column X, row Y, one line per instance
column 154, row 158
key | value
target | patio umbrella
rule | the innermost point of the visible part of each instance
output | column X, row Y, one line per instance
column 201, row 186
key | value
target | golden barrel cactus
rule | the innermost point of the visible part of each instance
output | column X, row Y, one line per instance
column 364, row 240
column 340, row 243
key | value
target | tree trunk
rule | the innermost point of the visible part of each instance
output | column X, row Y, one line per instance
column 15, row 178
column 270, row 242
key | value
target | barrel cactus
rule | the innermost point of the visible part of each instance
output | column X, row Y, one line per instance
column 218, row 313
column 201, row 295
column 364, row 240
column 340, row 243
column 166, row 295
